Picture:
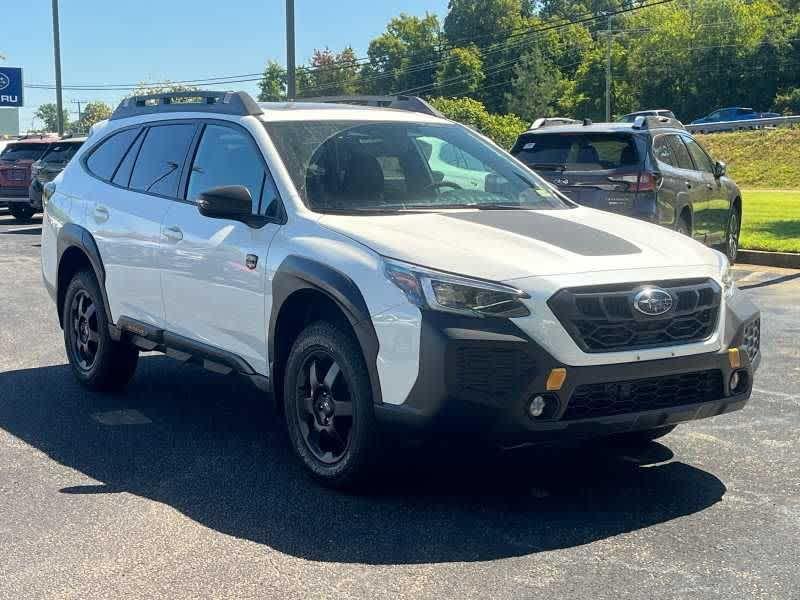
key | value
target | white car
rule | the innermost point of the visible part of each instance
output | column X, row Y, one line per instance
column 313, row 249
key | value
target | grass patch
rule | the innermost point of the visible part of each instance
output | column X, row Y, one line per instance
column 766, row 158
column 771, row 221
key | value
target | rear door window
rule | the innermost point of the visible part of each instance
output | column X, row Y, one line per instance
column 680, row 153
column 158, row 165
column 105, row 158
column 578, row 152
column 663, row 151
column 60, row 153
column 28, row 151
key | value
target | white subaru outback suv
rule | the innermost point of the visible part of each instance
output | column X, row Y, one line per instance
column 328, row 253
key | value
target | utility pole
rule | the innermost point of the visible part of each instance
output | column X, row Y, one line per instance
column 57, row 50
column 291, row 82
column 79, row 102
column 608, row 70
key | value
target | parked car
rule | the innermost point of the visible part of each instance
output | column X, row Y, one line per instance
column 659, row 112
column 652, row 169
column 315, row 249
column 734, row 114
column 51, row 164
column 15, row 173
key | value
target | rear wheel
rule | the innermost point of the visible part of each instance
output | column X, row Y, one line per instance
column 21, row 212
column 732, row 236
column 328, row 405
column 97, row 361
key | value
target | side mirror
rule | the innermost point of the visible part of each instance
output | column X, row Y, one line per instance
column 228, row 202
column 720, row 168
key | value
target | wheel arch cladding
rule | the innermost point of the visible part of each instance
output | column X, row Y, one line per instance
column 77, row 250
column 304, row 290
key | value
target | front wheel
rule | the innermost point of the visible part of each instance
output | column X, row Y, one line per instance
column 21, row 212
column 328, row 405
column 732, row 236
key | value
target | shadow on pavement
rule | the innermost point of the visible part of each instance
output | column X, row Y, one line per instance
column 212, row 448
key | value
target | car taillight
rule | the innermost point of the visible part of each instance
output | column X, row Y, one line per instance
column 645, row 181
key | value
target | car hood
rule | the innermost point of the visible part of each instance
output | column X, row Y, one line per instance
column 502, row 245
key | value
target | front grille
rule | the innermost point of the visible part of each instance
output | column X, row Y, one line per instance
column 602, row 318
column 752, row 339
column 621, row 397
column 493, row 374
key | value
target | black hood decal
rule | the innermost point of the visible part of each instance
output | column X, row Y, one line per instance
column 570, row 236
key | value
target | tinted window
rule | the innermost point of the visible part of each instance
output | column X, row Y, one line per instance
column 24, row 151
column 158, row 166
column 701, row 160
column 226, row 156
column 578, row 152
column 680, row 153
column 104, row 159
column 123, row 175
column 61, row 153
column 663, row 151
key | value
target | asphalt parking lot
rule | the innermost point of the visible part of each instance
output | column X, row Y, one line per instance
column 185, row 487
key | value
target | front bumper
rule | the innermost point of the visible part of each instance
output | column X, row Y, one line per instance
column 478, row 376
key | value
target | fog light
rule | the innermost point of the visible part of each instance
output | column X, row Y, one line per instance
column 734, row 380
column 536, row 407
column 738, row 381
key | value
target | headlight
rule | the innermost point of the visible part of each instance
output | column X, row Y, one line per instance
column 728, row 284
column 47, row 192
column 451, row 293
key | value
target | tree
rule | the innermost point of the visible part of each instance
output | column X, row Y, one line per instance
column 483, row 22
column 272, row 87
column 503, row 129
column 788, row 102
column 329, row 74
column 48, row 114
column 461, row 73
column 403, row 57
column 92, row 113
column 535, row 87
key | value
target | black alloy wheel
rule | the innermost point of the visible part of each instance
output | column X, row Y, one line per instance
column 732, row 241
column 324, row 407
column 85, row 329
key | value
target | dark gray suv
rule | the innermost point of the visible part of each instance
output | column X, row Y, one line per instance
column 651, row 169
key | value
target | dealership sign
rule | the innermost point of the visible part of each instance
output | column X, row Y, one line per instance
column 10, row 86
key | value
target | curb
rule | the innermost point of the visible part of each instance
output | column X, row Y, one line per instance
column 786, row 260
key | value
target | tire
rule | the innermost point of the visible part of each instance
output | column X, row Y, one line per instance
column 328, row 405
column 732, row 235
column 644, row 437
column 684, row 227
column 20, row 212
column 98, row 362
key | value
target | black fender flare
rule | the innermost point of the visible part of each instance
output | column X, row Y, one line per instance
column 75, row 236
column 297, row 273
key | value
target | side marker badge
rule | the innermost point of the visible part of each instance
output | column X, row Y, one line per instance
column 251, row 261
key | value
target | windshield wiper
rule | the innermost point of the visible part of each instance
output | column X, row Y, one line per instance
column 464, row 205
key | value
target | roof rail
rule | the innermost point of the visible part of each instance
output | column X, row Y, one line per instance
column 643, row 122
column 553, row 122
column 408, row 103
column 228, row 103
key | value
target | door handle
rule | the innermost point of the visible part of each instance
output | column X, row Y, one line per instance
column 709, row 186
column 689, row 184
column 173, row 233
column 100, row 214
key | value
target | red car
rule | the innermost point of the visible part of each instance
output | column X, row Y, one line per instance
column 15, row 173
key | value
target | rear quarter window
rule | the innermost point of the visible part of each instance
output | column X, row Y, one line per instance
column 105, row 157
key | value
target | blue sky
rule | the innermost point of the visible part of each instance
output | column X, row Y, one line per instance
column 105, row 42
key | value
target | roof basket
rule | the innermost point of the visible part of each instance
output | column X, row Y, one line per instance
column 553, row 122
column 408, row 103
column 228, row 103
column 643, row 122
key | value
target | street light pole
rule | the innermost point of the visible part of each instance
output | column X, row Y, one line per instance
column 57, row 49
column 291, row 82
column 608, row 71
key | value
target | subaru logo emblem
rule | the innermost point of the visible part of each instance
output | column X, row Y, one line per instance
column 561, row 181
column 652, row 302
column 4, row 81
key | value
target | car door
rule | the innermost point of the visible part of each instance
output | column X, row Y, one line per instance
column 690, row 181
column 125, row 211
column 672, row 194
column 717, row 202
column 213, row 270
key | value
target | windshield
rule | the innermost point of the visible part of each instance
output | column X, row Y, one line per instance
column 354, row 166
column 577, row 152
column 60, row 153
column 23, row 151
